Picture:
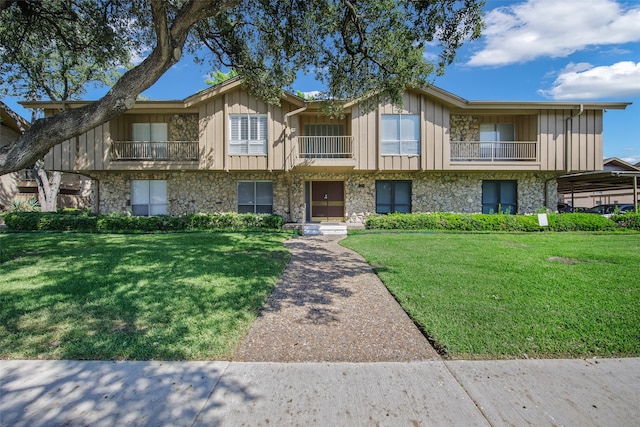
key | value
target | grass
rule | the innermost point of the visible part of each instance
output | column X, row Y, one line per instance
column 175, row 296
column 515, row 295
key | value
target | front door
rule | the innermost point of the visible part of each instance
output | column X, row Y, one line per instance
column 327, row 201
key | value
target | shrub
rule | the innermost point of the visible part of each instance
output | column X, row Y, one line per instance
column 120, row 221
column 580, row 222
column 491, row 222
column 628, row 220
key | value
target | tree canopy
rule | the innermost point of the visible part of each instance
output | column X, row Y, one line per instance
column 51, row 49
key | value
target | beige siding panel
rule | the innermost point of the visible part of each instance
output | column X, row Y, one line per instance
column 599, row 144
column 560, row 140
column 437, row 143
column 426, row 136
column 591, row 142
column 442, row 147
column 83, row 161
column 247, row 162
column 97, row 150
column 546, row 146
column 211, row 128
column 365, row 139
column 400, row 163
column 276, row 151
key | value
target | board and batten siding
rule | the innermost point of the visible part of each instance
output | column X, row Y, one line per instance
column 87, row 151
column 214, row 131
column 585, row 140
column 434, row 136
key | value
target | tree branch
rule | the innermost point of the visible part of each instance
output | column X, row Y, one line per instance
column 48, row 132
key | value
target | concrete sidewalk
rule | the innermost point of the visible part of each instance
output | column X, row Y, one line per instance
column 594, row 392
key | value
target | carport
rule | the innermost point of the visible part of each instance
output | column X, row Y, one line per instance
column 599, row 181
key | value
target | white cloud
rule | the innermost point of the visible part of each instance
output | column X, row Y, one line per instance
column 584, row 81
column 538, row 28
column 632, row 160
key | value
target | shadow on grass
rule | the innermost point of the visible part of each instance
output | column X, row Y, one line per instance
column 133, row 297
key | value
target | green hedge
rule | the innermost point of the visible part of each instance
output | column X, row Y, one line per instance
column 499, row 222
column 82, row 220
column 628, row 220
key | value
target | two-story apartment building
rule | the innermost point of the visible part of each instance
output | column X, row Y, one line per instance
column 222, row 150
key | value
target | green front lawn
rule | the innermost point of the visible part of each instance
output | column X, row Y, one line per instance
column 514, row 295
column 138, row 297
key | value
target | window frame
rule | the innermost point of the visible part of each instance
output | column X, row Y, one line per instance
column 498, row 206
column 393, row 204
column 241, row 142
column 497, row 133
column 242, row 207
column 400, row 139
column 152, row 209
column 150, row 132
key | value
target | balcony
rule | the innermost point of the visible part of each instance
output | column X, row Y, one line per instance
column 325, row 151
column 479, row 151
column 171, row 151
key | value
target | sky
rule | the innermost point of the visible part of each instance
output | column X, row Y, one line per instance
column 531, row 50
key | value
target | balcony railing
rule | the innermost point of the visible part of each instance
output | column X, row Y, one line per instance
column 325, row 147
column 468, row 151
column 173, row 151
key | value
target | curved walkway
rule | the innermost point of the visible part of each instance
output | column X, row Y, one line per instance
column 329, row 306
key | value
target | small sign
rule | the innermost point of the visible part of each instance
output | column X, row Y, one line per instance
column 543, row 221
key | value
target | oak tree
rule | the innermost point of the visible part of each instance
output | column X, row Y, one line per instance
column 354, row 47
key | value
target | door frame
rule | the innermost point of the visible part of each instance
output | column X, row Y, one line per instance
column 334, row 203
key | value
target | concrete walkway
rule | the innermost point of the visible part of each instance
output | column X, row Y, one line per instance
column 595, row 392
column 408, row 386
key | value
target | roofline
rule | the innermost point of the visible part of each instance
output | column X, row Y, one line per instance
column 445, row 97
column 14, row 120
column 600, row 174
column 229, row 85
column 60, row 105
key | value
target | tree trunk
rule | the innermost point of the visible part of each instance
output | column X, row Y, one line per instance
column 47, row 189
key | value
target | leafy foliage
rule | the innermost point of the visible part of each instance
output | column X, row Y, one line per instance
column 52, row 49
column 377, row 48
column 627, row 220
column 85, row 221
column 498, row 222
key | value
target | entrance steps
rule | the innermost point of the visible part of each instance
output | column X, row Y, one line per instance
column 325, row 228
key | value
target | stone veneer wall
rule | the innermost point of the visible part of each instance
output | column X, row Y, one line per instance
column 193, row 192
column 188, row 192
column 183, row 127
column 464, row 128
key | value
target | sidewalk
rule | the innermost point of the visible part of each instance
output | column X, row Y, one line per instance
column 309, row 360
column 600, row 392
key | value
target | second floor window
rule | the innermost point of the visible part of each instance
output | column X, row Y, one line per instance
column 400, row 134
column 248, row 134
column 150, row 132
column 496, row 132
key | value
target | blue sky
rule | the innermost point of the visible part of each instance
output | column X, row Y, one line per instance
column 531, row 50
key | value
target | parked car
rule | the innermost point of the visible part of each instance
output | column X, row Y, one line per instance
column 608, row 210
column 564, row 208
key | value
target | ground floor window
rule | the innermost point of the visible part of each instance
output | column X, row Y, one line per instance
column 393, row 196
column 255, row 197
column 148, row 197
column 499, row 197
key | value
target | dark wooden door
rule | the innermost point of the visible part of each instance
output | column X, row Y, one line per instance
column 327, row 201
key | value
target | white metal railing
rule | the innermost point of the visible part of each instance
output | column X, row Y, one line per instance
column 153, row 150
column 325, row 147
column 494, row 151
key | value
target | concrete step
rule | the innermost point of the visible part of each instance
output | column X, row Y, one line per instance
column 325, row 228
